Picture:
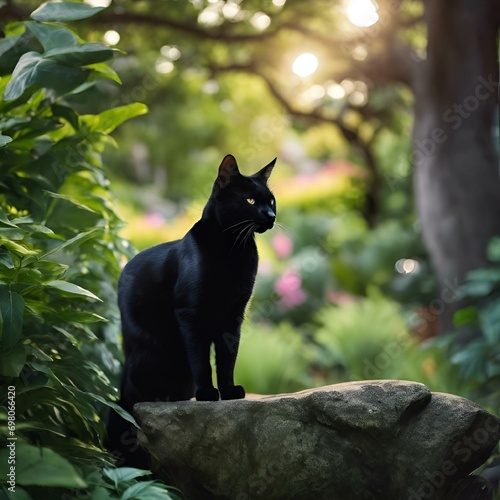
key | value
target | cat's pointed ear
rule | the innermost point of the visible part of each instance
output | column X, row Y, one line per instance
column 228, row 169
column 265, row 172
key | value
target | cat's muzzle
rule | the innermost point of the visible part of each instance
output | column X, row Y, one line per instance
column 265, row 226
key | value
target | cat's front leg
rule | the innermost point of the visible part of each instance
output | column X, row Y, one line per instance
column 199, row 359
column 226, row 350
column 198, row 354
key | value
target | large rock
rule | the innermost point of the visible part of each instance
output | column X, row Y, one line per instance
column 361, row 440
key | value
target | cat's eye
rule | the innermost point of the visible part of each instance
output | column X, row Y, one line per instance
column 272, row 202
column 251, row 201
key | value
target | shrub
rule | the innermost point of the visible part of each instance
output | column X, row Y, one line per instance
column 479, row 359
column 272, row 359
column 368, row 339
column 60, row 257
column 353, row 338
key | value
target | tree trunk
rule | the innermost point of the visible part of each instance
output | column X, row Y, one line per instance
column 456, row 166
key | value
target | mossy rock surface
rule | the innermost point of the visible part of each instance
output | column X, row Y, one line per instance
column 359, row 440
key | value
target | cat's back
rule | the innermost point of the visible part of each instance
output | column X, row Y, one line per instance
column 151, row 263
column 156, row 270
column 149, row 275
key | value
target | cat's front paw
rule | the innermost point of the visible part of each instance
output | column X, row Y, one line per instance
column 207, row 394
column 234, row 392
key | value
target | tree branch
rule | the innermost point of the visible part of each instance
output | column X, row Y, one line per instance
column 351, row 135
column 190, row 28
column 395, row 66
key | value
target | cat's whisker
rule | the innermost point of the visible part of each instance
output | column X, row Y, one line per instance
column 282, row 227
column 237, row 224
column 250, row 232
column 242, row 234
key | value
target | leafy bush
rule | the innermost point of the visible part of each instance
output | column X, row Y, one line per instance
column 272, row 360
column 294, row 273
column 479, row 359
column 353, row 338
column 368, row 339
column 60, row 257
column 321, row 259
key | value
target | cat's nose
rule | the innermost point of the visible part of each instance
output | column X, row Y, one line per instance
column 270, row 214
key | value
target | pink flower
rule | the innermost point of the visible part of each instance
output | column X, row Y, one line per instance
column 282, row 245
column 154, row 220
column 289, row 286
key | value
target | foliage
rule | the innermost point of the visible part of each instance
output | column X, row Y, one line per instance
column 272, row 360
column 479, row 359
column 294, row 276
column 123, row 483
column 320, row 259
column 324, row 306
column 60, row 256
column 354, row 336
column 178, row 146
column 368, row 339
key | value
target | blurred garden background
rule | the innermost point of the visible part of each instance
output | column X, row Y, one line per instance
column 385, row 263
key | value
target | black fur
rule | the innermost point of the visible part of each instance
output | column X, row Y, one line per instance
column 178, row 298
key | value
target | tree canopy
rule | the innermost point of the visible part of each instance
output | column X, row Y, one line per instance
column 384, row 118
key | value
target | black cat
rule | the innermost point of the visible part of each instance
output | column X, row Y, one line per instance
column 178, row 298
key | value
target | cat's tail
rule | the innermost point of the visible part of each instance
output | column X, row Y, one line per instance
column 121, row 435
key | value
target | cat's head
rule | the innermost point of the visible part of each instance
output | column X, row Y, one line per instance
column 243, row 204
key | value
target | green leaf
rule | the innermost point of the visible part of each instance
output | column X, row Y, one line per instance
column 23, row 75
column 4, row 139
column 64, row 11
column 44, row 467
column 465, row 316
column 123, row 413
column 52, row 37
column 477, row 288
column 39, row 354
column 83, row 87
column 12, row 310
column 81, row 55
column 489, row 317
column 6, row 259
column 105, row 71
column 108, row 120
column 11, row 233
column 23, row 220
column 77, row 316
column 59, row 77
column 123, row 474
column 16, row 247
column 12, row 361
column 101, row 493
column 12, row 48
column 147, row 490
column 70, row 199
column 42, row 229
column 71, row 288
column 41, row 367
column 487, row 274
column 66, row 334
column 79, row 238
column 5, row 220
column 67, row 113
column 34, row 69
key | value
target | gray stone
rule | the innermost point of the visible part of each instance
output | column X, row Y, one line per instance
column 360, row 440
